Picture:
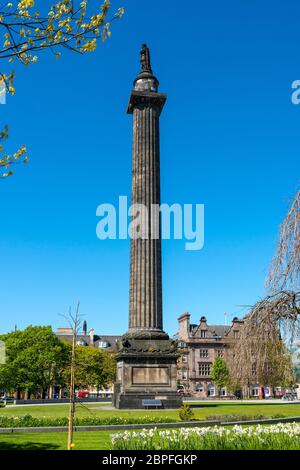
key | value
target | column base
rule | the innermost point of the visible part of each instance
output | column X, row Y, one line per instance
column 146, row 370
column 134, row 401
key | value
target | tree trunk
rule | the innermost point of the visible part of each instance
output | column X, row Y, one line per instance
column 72, row 395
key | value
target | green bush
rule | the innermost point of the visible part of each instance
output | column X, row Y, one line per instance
column 31, row 421
column 229, row 418
column 186, row 413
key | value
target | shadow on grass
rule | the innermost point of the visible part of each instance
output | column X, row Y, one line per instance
column 28, row 446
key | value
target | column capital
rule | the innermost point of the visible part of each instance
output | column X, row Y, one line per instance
column 142, row 99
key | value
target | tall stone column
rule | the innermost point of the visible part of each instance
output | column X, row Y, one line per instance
column 145, row 311
column 147, row 358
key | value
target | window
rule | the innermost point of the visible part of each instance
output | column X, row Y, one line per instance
column 204, row 369
column 203, row 334
column 184, row 358
column 220, row 352
column 254, row 391
column 203, row 352
column 235, row 334
column 199, row 387
column 103, row 344
column 184, row 373
column 211, row 392
column 80, row 343
column 223, row 392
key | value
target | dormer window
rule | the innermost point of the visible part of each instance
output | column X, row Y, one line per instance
column 103, row 344
column 80, row 342
column 203, row 334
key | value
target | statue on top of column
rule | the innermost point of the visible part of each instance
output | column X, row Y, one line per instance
column 145, row 59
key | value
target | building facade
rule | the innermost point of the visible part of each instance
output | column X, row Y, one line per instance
column 199, row 345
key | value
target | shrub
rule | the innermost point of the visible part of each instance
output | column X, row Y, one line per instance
column 229, row 418
column 186, row 413
column 31, row 421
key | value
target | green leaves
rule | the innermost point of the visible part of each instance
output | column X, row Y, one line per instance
column 35, row 359
column 219, row 373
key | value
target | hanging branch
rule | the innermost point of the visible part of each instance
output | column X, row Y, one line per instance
column 285, row 267
column 261, row 355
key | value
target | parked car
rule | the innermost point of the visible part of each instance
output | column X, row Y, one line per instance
column 5, row 399
column 290, row 396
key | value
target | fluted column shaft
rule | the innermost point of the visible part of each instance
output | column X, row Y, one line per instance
column 145, row 254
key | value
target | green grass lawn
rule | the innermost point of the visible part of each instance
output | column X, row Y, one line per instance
column 55, row 441
column 100, row 440
column 206, row 409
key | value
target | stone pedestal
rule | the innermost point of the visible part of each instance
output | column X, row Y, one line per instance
column 146, row 370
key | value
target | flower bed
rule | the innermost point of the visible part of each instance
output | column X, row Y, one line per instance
column 275, row 437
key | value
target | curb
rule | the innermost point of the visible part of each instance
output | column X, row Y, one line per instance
column 127, row 427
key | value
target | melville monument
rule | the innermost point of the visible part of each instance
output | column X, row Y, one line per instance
column 147, row 358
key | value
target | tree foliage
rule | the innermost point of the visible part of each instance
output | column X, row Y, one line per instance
column 219, row 373
column 31, row 26
column 93, row 367
column 35, row 359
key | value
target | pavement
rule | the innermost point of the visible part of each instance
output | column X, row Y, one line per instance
column 266, row 401
column 108, row 405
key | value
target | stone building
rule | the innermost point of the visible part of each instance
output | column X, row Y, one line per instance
column 89, row 338
column 199, row 345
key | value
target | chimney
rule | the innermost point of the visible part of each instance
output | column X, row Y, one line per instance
column 84, row 328
column 184, row 326
column 91, row 334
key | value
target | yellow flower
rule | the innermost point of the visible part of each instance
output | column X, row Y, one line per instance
column 23, row 4
column 89, row 46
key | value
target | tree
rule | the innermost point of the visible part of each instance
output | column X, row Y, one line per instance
column 260, row 354
column 93, row 368
column 35, row 360
column 74, row 321
column 67, row 24
column 219, row 373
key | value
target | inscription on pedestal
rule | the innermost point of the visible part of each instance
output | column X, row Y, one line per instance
column 150, row 375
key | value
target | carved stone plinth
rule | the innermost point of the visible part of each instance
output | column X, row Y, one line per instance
column 147, row 369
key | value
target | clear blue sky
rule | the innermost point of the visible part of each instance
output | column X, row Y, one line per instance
column 229, row 139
